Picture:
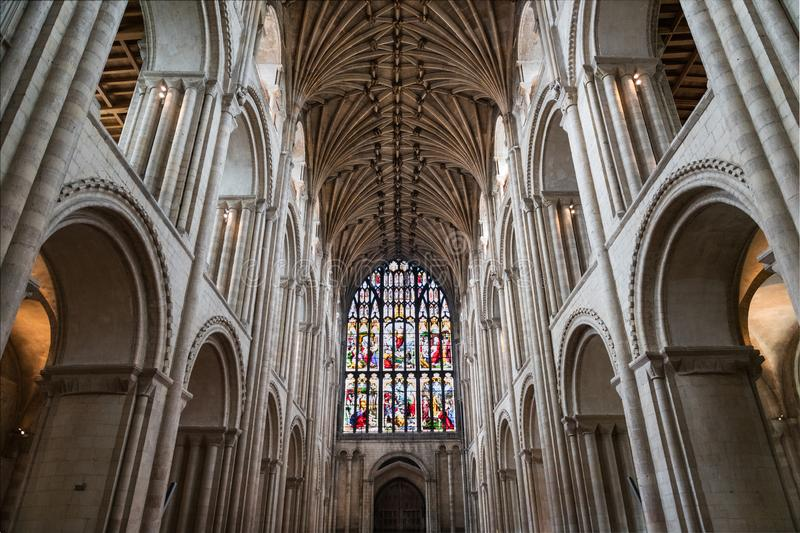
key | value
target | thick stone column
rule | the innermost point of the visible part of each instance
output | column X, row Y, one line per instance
column 770, row 166
column 651, row 505
column 779, row 148
column 27, row 204
column 26, row 152
column 722, row 445
column 658, row 125
column 191, row 306
column 25, row 35
column 598, row 490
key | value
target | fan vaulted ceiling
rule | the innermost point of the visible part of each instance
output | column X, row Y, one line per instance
column 399, row 101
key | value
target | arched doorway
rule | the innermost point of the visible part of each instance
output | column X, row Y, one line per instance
column 399, row 506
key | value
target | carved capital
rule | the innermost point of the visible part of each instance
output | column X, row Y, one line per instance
column 570, row 426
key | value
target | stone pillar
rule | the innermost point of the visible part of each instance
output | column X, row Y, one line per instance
column 26, row 152
column 154, row 171
column 231, row 220
column 431, row 506
column 207, row 481
column 722, row 444
column 595, row 475
column 23, row 230
column 765, row 118
column 658, row 125
column 22, row 44
column 231, row 436
column 242, row 250
column 774, row 192
column 191, row 305
column 187, row 509
column 348, row 494
column 561, row 273
column 571, row 430
column 633, row 111
column 620, row 125
column 148, row 385
column 775, row 22
column 143, row 130
column 450, row 496
column 183, row 204
column 630, row 397
column 173, row 505
column 539, row 247
column 682, row 513
column 166, row 194
column 612, row 179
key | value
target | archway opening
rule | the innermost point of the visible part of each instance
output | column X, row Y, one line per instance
column 399, row 506
column 196, row 476
column 721, row 292
column 89, row 321
column 605, row 463
column 25, row 355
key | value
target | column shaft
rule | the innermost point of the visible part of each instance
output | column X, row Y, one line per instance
column 31, row 227
column 624, row 142
column 189, row 481
column 203, row 513
column 26, row 154
column 633, row 111
column 166, row 195
column 658, row 126
column 163, row 457
column 22, row 43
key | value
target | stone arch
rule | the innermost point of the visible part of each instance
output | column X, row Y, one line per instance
column 218, row 333
column 507, row 471
column 566, row 246
column 699, row 183
column 391, row 470
column 121, row 258
column 295, row 472
column 699, row 253
column 588, row 369
column 100, row 331
column 546, row 97
column 579, row 322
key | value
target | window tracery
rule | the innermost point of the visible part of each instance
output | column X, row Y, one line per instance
column 398, row 364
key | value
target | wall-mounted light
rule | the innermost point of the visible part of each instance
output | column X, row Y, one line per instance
column 572, row 208
column 163, row 91
column 226, row 214
column 636, row 79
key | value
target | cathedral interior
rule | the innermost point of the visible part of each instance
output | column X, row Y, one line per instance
column 399, row 265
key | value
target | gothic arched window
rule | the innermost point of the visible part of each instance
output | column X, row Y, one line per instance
column 398, row 364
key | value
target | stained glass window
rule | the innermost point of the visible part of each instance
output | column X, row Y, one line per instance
column 398, row 363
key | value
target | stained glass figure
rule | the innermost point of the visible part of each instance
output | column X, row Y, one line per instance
column 398, row 363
